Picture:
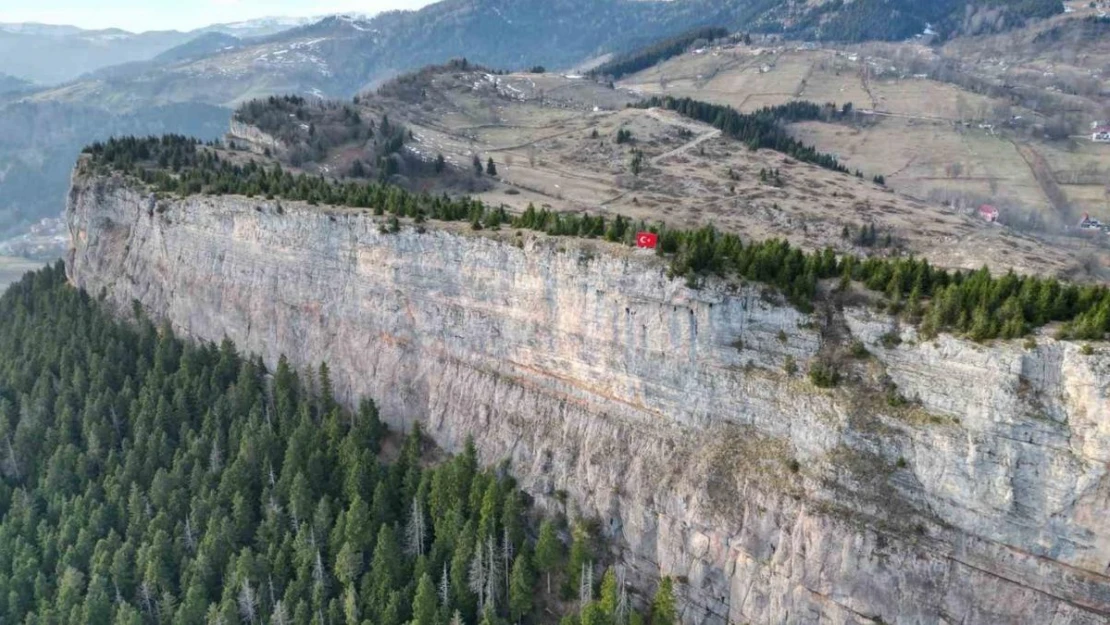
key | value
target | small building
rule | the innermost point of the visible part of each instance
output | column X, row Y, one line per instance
column 1088, row 223
column 989, row 213
column 1101, row 134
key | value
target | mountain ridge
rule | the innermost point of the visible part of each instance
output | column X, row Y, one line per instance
column 50, row 54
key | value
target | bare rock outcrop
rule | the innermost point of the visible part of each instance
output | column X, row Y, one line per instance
column 254, row 139
column 665, row 413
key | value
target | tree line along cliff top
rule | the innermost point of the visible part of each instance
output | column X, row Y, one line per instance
column 976, row 304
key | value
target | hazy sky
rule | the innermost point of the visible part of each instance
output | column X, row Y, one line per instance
column 140, row 15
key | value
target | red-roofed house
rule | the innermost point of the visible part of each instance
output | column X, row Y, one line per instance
column 988, row 212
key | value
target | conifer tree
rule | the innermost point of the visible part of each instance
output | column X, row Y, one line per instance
column 549, row 551
column 521, row 587
column 581, row 554
column 609, row 593
column 424, row 607
column 351, row 605
column 663, row 609
column 593, row 614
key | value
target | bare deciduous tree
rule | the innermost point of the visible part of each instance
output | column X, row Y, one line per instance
column 279, row 616
column 620, row 615
column 477, row 577
column 415, row 530
column 248, row 603
column 11, row 461
column 215, row 458
column 146, row 597
column 506, row 557
column 586, row 584
column 190, row 534
column 493, row 572
column 444, row 588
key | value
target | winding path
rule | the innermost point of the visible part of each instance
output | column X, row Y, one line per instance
column 713, row 134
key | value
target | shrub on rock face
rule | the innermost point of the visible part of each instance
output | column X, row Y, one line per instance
column 891, row 340
column 823, row 375
column 858, row 350
column 789, row 366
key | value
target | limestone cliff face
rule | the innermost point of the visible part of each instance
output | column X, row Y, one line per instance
column 664, row 412
column 250, row 137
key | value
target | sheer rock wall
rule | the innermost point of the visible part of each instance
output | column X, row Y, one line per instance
column 663, row 412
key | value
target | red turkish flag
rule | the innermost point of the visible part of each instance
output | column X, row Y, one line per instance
column 647, row 239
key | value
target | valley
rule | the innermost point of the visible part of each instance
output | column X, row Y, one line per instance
column 13, row 268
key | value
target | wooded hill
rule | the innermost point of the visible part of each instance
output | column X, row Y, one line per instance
column 309, row 130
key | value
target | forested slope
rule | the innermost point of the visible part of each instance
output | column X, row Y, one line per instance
column 861, row 20
column 146, row 479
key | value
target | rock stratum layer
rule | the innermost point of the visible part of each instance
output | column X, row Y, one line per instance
column 666, row 413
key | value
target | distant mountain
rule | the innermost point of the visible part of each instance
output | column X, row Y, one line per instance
column 54, row 54
column 260, row 27
column 9, row 84
column 360, row 50
column 40, row 30
column 48, row 54
column 213, row 42
column 341, row 55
